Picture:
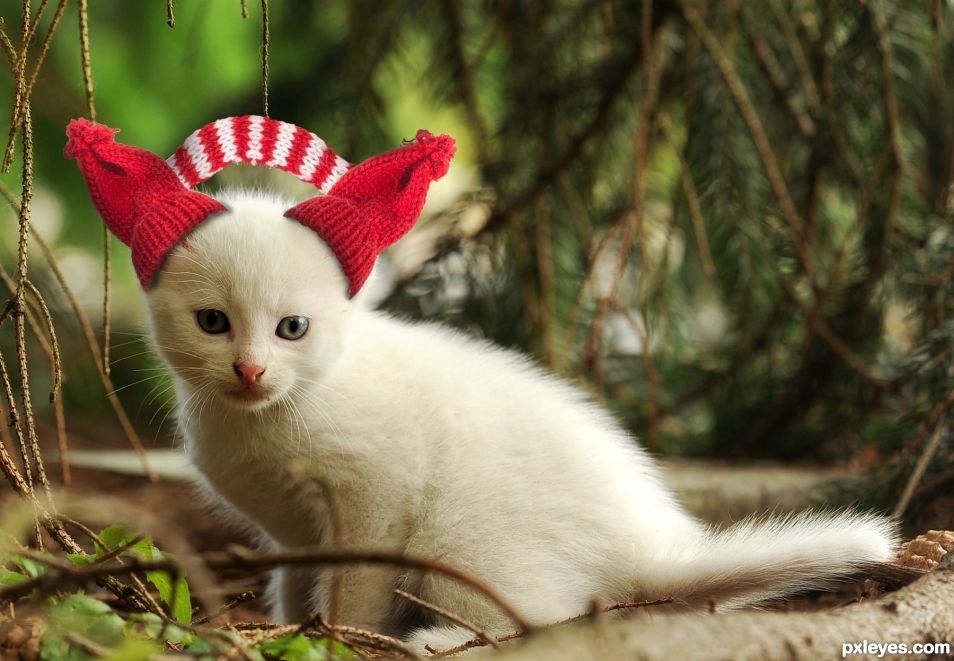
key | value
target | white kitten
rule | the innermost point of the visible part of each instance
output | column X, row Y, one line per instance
column 436, row 445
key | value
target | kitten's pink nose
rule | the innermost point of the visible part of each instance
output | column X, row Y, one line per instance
column 247, row 372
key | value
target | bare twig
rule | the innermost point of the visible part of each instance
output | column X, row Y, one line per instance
column 478, row 642
column 22, row 483
column 354, row 637
column 91, row 113
column 83, row 9
column 633, row 222
column 95, row 650
column 443, row 612
column 52, row 349
column 265, row 54
column 924, row 460
column 596, row 256
column 546, row 276
column 794, row 46
column 19, row 319
column 248, row 595
column 7, row 45
column 692, row 202
column 27, row 92
column 242, row 558
column 776, row 76
column 821, row 328
column 466, row 90
column 31, row 311
column 890, row 101
column 83, row 319
column 20, row 94
column 647, row 120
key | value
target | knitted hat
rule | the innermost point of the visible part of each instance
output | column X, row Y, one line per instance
column 147, row 202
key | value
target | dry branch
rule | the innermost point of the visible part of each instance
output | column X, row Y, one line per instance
column 87, row 327
column 448, row 615
column 591, row 615
column 920, row 612
column 62, row 573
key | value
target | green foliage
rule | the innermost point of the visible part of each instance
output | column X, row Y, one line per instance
column 79, row 627
column 80, row 615
column 24, row 569
column 10, row 577
column 298, row 647
column 173, row 590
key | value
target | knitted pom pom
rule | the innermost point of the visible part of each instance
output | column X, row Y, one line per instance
column 84, row 134
column 437, row 150
column 139, row 197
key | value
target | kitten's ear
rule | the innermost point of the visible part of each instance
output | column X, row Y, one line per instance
column 139, row 196
column 376, row 203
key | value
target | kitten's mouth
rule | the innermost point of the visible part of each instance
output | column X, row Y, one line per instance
column 248, row 395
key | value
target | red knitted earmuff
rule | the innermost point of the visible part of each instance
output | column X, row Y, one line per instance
column 359, row 211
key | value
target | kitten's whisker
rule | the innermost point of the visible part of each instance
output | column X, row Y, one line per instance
column 150, row 396
column 179, row 350
column 134, row 383
column 318, row 406
column 304, row 423
column 164, row 405
column 120, row 345
column 130, row 356
column 285, row 403
column 166, row 371
column 152, row 351
column 182, row 411
column 323, row 386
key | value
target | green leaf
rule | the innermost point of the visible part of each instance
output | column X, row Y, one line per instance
column 8, row 577
column 79, row 559
column 176, row 594
column 299, row 647
column 197, row 646
column 84, row 616
column 135, row 649
column 182, row 607
column 115, row 536
column 31, row 567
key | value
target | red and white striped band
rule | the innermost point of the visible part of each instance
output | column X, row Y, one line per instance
column 256, row 140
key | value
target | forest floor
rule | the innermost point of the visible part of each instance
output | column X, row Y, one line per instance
column 172, row 510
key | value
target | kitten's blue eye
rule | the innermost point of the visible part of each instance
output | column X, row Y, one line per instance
column 292, row 328
column 211, row 321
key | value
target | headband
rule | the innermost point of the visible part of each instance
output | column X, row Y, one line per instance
column 149, row 204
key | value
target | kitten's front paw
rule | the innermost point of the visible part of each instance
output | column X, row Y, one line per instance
column 438, row 639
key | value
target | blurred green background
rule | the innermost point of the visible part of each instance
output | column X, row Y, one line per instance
column 758, row 193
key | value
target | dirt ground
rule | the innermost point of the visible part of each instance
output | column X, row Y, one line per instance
column 174, row 513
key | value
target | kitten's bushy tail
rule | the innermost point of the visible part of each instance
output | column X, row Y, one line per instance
column 759, row 559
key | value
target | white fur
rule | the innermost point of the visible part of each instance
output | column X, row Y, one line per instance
column 438, row 445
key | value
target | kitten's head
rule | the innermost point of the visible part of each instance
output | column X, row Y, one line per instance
column 250, row 305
